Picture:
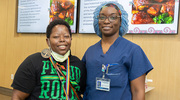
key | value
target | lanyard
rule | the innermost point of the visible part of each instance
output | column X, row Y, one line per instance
column 66, row 91
column 66, row 77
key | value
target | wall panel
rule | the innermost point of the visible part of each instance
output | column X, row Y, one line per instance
column 3, row 38
column 162, row 51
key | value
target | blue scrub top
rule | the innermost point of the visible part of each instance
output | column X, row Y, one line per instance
column 130, row 62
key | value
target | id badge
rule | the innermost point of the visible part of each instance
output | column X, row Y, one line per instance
column 102, row 84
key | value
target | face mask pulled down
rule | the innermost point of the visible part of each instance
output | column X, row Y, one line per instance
column 58, row 57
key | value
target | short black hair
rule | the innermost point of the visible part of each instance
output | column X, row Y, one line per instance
column 54, row 23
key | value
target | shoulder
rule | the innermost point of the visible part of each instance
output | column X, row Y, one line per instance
column 36, row 56
column 34, row 59
column 75, row 61
column 74, row 58
column 32, row 56
column 128, row 45
column 127, row 42
column 94, row 47
column 30, row 62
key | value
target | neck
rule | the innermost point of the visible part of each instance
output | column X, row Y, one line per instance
column 109, row 40
column 106, row 42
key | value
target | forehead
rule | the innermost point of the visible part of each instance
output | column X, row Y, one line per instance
column 60, row 28
column 108, row 10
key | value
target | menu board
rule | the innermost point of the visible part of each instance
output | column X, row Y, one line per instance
column 145, row 16
column 35, row 15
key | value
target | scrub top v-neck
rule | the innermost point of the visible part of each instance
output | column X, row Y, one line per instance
column 110, row 52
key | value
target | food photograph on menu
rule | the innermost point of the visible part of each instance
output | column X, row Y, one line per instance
column 154, row 17
column 153, row 11
column 62, row 9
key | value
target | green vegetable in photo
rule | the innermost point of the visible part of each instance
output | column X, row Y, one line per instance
column 69, row 21
column 163, row 19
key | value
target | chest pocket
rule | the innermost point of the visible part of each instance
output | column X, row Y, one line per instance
column 118, row 75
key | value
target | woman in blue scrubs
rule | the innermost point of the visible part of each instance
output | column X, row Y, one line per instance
column 116, row 67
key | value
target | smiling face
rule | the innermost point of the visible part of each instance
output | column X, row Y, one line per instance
column 60, row 39
column 109, row 28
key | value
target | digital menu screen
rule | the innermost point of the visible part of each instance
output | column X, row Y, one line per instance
column 145, row 16
column 35, row 15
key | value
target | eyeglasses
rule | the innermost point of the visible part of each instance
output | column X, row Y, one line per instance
column 110, row 18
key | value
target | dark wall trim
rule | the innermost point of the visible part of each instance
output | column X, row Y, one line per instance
column 5, row 91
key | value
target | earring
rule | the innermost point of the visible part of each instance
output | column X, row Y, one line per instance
column 46, row 53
